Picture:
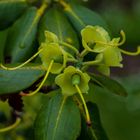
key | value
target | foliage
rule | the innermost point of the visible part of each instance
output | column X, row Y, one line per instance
column 67, row 41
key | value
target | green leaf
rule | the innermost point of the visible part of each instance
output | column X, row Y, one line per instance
column 10, row 10
column 110, row 84
column 81, row 16
column 3, row 37
column 22, row 36
column 58, row 120
column 55, row 21
column 131, row 82
column 95, row 131
column 17, row 80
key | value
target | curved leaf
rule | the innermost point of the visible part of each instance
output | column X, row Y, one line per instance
column 17, row 80
column 109, row 84
column 58, row 120
column 10, row 10
column 22, row 36
column 95, row 131
column 55, row 21
column 81, row 16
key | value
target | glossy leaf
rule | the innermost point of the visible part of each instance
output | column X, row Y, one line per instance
column 55, row 21
column 58, row 120
column 17, row 80
column 95, row 131
column 22, row 35
column 10, row 10
column 110, row 84
column 3, row 37
column 81, row 16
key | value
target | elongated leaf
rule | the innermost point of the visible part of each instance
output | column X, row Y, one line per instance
column 95, row 131
column 10, row 10
column 109, row 84
column 3, row 37
column 58, row 120
column 22, row 36
column 131, row 82
column 17, row 80
column 55, row 21
column 81, row 16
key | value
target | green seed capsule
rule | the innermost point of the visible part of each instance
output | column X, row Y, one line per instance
column 76, row 78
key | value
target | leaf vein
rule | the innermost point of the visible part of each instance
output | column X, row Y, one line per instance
column 58, row 117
